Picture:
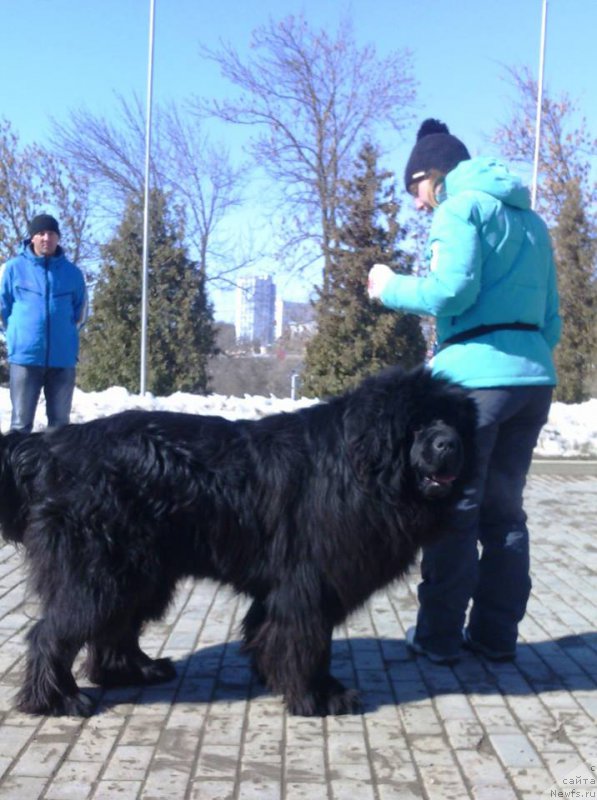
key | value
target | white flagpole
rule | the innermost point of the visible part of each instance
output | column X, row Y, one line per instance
column 144, row 292
column 539, row 104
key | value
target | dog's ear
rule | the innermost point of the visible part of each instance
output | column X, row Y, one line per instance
column 456, row 406
column 374, row 435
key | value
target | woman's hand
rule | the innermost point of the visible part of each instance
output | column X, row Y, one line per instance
column 379, row 275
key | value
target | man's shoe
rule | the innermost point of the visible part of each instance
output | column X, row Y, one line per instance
column 436, row 658
column 483, row 650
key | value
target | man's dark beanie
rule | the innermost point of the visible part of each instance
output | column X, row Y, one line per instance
column 436, row 148
column 43, row 222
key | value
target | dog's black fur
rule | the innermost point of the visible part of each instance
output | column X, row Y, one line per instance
column 308, row 513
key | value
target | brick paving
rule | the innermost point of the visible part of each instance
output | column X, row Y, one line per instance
column 477, row 730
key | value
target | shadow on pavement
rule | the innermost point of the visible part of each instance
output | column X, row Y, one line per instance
column 384, row 671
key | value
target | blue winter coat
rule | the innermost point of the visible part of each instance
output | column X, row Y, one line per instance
column 43, row 303
column 490, row 262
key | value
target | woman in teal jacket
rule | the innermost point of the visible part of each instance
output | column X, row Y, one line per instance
column 491, row 285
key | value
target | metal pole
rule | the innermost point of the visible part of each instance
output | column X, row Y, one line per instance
column 144, row 293
column 294, row 379
column 539, row 104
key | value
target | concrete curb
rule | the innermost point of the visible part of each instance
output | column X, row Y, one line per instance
column 564, row 466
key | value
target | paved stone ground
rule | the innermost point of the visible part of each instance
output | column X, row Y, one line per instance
column 475, row 730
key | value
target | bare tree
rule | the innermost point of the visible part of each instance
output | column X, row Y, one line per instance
column 111, row 155
column 566, row 147
column 195, row 175
column 18, row 198
column 69, row 193
column 208, row 188
column 315, row 97
column 34, row 179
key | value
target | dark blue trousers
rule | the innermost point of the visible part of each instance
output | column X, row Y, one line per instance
column 485, row 556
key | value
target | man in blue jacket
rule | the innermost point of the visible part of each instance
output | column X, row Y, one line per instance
column 491, row 285
column 43, row 304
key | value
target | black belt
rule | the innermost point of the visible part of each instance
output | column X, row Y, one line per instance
column 481, row 330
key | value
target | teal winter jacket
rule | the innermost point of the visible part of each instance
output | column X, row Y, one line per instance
column 43, row 303
column 490, row 262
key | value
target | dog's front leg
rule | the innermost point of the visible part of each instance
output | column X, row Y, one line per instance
column 318, row 692
column 49, row 686
column 292, row 652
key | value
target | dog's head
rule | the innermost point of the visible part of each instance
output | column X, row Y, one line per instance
column 411, row 429
column 436, row 457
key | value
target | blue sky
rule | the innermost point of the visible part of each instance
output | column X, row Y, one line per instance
column 60, row 54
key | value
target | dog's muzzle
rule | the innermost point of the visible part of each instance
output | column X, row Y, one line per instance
column 437, row 458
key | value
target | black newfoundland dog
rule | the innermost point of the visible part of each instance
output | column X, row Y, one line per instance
column 308, row 513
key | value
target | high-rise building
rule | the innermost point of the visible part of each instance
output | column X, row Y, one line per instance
column 293, row 319
column 255, row 309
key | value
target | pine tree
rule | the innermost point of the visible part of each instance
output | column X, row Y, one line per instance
column 4, row 367
column 575, row 250
column 567, row 199
column 356, row 337
column 180, row 331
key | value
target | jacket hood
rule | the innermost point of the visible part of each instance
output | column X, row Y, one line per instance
column 490, row 176
column 28, row 252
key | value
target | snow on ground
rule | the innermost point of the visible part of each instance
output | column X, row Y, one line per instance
column 571, row 431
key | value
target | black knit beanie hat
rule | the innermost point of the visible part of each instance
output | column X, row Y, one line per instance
column 43, row 222
column 436, row 148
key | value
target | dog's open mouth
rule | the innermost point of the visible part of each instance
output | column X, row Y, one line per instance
column 437, row 485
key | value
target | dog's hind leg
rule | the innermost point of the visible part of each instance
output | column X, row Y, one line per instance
column 49, row 686
column 252, row 622
column 121, row 662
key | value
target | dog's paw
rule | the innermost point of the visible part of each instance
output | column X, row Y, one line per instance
column 78, row 705
column 133, row 673
column 161, row 670
column 345, row 702
column 304, row 706
column 331, row 700
column 81, row 705
column 337, row 699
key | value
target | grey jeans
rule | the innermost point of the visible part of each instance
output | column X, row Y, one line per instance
column 26, row 383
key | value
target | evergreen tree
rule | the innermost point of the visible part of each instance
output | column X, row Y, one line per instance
column 4, row 367
column 356, row 337
column 180, row 331
column 567, row 199
column 575, row 250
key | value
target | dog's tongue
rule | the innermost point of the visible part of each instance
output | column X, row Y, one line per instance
column 443, row 478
